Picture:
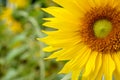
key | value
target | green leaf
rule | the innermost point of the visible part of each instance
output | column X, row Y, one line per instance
column 15, row 52
column 10, row 74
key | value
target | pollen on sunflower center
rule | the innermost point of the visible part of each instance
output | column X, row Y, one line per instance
column 102, row 28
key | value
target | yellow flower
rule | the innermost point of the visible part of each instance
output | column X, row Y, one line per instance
column 88, row 36
column 7, row 16
column 19, row 3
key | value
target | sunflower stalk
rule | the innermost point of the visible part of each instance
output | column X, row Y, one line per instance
column 40, row 34
column 67, row 77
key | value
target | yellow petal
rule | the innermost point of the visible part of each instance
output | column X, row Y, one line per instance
column 61, row 34
column 90, row 64
column 117, row 62
column 75, row 75
column 108, row 66
column 81, row 59
column 60, row 43
column 72, row 7
column 66, row 55
column 116, row 75
column 97, row 67
column 55, row 54
column 59, row 12
column 64, row 26
column 83, row 5
column 50, row 49
column 100, row 74
column 100, row 2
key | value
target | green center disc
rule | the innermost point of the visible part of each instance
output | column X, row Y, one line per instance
column 102, row 28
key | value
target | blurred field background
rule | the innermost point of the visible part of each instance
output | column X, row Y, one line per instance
column 21, row 55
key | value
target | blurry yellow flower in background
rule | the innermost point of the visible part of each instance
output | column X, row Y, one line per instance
column 88, row 36
column 7, row 16
column 19, row 3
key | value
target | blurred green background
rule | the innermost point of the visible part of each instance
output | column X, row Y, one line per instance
column 21, row 55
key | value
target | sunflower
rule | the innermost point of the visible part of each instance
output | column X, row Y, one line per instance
column 19, row 3
column 87, row 36
column 13, row 24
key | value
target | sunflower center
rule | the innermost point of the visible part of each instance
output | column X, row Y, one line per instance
column 102, row 28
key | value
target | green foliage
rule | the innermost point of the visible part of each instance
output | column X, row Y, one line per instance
column 21, row 56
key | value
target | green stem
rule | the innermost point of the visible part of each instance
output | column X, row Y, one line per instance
column 37, row 29
column 40, row 34
column 67, row 77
